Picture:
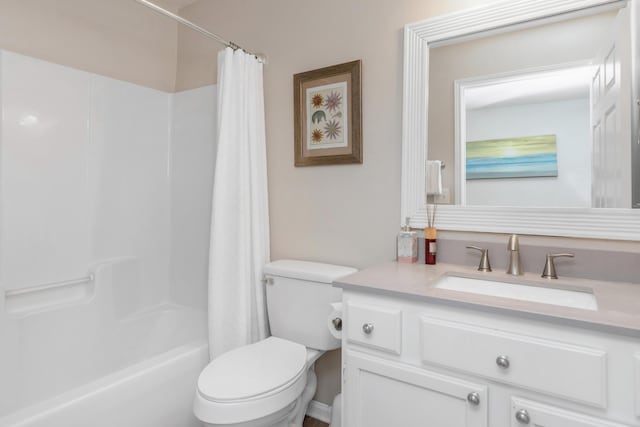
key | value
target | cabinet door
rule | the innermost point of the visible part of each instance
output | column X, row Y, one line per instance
column 381, row 393
column 528, row 413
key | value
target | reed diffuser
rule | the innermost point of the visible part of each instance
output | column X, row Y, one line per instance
column 430, row 234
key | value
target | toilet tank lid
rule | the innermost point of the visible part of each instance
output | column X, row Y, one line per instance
column 307, row 270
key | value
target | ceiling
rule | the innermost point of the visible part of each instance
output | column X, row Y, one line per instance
column 530, row 88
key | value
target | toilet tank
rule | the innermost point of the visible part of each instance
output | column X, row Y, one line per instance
column 299, row 294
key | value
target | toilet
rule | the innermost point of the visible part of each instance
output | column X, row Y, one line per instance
column 271, row 382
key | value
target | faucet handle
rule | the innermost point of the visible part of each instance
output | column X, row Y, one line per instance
column 485, row 265
column 549, row 271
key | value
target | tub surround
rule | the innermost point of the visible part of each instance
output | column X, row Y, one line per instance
column 101, row 178
column 82, row 382
column 617, row 311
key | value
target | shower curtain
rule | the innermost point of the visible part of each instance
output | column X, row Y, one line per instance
column 240, row 214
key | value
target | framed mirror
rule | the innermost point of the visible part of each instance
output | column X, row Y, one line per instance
column 532, row 107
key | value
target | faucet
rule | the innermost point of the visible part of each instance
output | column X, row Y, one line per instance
column 549, row 271
column 515, row 268
column 485, row 265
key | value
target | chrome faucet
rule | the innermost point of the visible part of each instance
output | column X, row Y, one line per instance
column 515, row 268
column 484, row 265
column 549, row 271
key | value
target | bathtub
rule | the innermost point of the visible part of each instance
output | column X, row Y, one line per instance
column 135, row 371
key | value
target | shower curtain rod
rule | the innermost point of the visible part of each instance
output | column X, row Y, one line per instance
column 259, row 56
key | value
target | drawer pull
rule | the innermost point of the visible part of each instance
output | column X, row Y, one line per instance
column 367, row 328
column 522, row 416
column 473, row 398
column 503, row 362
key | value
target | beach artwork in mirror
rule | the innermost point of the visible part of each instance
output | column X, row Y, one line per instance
column 522, row 157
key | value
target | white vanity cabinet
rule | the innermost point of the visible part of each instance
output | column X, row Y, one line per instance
column 411, row 363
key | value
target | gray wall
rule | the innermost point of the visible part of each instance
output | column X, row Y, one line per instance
column 115, row 38
column 340, row 214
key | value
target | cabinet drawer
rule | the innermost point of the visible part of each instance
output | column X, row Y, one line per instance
column 565, row 370
column 375, row 327
column 527, row 412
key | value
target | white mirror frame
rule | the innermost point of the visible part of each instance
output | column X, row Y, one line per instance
column 614, row 224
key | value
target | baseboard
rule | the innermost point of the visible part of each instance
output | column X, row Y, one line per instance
column 319, row 411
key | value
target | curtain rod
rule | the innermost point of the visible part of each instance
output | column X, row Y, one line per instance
column 260, row 57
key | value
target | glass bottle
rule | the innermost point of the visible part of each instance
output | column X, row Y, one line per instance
column 407, row 244
column 430, row 236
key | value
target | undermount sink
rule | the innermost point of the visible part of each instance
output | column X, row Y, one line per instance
column 563, row 297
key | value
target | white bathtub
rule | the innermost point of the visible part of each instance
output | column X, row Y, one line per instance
column 140, row 371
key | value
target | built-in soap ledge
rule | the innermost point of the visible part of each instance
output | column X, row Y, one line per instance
column 49, row 296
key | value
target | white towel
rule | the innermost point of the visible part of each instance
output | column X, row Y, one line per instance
column 434, row 177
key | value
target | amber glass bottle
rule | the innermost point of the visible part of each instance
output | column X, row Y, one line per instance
column 430, row 236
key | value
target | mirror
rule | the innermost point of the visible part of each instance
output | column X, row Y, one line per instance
column 533, row 112
column 530, row 89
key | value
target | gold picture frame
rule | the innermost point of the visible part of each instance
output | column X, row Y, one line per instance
column 328, row 115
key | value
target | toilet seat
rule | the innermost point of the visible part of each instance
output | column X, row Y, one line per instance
column 251, row 382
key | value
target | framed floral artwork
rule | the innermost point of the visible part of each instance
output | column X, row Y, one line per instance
column 328, row 115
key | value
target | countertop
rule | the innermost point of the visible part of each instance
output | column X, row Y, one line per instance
column 618, row 303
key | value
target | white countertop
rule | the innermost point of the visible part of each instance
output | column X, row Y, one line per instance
column 618, row 303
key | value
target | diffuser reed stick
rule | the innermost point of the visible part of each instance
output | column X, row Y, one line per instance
column 432, row 210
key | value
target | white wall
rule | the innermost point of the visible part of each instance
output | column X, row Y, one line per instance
column 84, row 175
column 569, row 121
column 192, row 165
column 45, row 194
column 91, row 169
column 635, row 84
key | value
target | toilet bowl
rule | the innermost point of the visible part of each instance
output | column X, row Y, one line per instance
column 261, row 384
column 271, row 382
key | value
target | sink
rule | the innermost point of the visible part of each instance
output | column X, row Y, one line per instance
column 563, row 297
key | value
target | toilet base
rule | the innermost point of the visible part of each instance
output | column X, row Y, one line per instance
column 278, row 419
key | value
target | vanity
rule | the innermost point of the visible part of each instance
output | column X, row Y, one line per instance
column 442, row 346
column 448, row 346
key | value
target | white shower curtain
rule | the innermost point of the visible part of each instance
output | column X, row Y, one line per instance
column 240, row 214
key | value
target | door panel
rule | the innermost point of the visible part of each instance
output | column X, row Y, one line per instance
column 381, row 393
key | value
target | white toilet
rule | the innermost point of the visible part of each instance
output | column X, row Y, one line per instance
column 270, row 383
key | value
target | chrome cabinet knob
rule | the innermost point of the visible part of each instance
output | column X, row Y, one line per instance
column 367, row 328
column 473, row 398
column 503, row 362
column 522, row 416
column 337, row 323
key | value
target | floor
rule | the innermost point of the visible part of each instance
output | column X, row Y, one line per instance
column 312, row 422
